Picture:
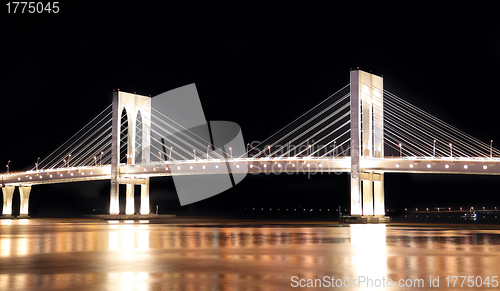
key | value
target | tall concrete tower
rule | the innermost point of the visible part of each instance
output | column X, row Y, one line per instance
column 367, row 141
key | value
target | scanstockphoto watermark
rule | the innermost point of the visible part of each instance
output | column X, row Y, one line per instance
column 352, row 281
column 383, row 282
column 290, row 159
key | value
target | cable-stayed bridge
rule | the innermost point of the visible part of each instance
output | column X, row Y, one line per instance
column 362, row 129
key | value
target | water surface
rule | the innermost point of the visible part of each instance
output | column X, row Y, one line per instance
column 99, row 255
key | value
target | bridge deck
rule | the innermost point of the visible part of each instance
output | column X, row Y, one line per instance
column 478, row 166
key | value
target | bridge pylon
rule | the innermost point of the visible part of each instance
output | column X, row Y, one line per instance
column 138, row 111
column 367, row 141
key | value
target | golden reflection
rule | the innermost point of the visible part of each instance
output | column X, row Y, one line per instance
column 22, row 246
column 368, row 242
column 128, row 237
column 142, row 256
column 6, row 221
column 5, row 248
column 23, row 221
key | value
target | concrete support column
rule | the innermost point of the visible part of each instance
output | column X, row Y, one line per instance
column 114, row 204
column 368, row 195
column 131, row 147
column 129, row 206
column 145, row 197
column 378, row 195
column 24, row 192
column 7, row 200
column 355, row 145
column 366, row 113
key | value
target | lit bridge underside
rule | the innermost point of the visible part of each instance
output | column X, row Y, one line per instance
column 477, row 166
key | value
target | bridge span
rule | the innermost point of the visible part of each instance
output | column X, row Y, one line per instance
column 135, row 141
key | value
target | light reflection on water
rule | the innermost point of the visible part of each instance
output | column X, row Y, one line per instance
column 52, row 255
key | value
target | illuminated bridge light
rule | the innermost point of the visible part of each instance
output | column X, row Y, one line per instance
column 61, row 175
column 40, row 177
column 411, row 165
column 145, row 169
column 446, row 166
column 251, row 166
column 178, row 168
column 265, row 166
column 203, row 167
column 91, row 173
column 50, row 176
column 166, row 168
column 429, row 166
column 279, row 165
column 237, row 166
column 397, row 165
column 71, row 174
column 216, row 166
column 19, row 179
column 83, row 173
column 308, row 165
column 485, row 167
column 30, row 178
column 320, row 165
column 466, row 166
column 191, row 167
column 293, row 165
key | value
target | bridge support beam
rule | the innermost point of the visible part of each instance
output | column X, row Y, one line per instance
column 24, row 192
column 130, row 206
column 367, row 194
column 373, row 194
column 378, row 195
column 114, row 203
column 145, row 197
column 355, row 145
column 7, row 191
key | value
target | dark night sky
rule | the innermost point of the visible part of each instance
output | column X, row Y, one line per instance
column 259, row 66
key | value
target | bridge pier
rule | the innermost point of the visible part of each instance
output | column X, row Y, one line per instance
column 373, row 194
column 129, row 197
column 367, row 141
column 367, row 185
column 136, row 106
column 7, row 191
column 145, row 197
column 129, row 202
column 24, row 192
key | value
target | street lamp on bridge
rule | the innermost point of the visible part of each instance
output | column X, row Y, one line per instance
column 8, row 163
column 491, row 149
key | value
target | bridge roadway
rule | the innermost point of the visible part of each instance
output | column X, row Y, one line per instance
column 478, row 166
